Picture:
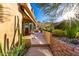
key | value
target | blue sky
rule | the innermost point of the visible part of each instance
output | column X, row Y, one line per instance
column 39, row 14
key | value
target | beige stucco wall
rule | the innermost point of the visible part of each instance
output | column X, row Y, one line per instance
column 7, row 17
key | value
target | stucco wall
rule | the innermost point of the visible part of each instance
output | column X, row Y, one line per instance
column 7, row 19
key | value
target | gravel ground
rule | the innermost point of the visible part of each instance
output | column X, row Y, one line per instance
column 70, row 41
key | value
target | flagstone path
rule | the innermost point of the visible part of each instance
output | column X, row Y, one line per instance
column 39, row 46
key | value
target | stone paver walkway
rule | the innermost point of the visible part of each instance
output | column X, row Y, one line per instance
column 38, row 39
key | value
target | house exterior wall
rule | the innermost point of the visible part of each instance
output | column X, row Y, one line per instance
column 7, row 19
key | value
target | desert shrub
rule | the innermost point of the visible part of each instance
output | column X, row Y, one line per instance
column 77, row 35
column 70, row 33
column 1, row 52
column 47, row 29
column 59, row 32
column 70, row 27
column 61, row 25
column 71, row 30
column 18, row 50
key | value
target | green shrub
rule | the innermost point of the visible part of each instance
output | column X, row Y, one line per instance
column 47, row 29
column 70, row 33
column 71, row 30
column 1, row 52
column 59, row 32
column 77, row 35
column 17, row 50
column 70, row 27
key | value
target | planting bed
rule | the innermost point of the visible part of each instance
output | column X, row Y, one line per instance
column 62, row 47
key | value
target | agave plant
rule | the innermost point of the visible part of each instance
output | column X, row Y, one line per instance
column 18, row 50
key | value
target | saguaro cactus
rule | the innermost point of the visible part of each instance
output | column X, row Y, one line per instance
column 5, row 39
column 19, row 34
column 7, row 44
column 15, row 30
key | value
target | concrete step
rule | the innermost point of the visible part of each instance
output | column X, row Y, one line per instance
column 39, row 45
column 39, row 51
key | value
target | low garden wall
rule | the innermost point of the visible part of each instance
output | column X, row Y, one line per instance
column 59, row 47
column 27, row 40
column 46, row 36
